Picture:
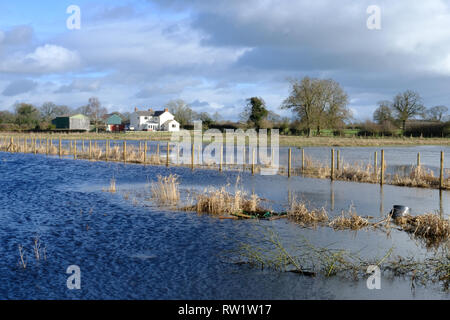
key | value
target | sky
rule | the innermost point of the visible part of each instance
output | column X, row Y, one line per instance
column 214, row 54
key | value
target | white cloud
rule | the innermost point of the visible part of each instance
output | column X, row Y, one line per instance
column 44, row 59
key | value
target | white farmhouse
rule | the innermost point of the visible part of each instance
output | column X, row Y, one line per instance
column 153, row 121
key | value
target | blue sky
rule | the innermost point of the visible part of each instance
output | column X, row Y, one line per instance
column 215, row 54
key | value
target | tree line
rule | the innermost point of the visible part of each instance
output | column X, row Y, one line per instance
column 317, row 105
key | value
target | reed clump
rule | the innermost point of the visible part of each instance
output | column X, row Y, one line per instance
column 430, row 227
column 315, row 169
column 349, row 221
column 220, row 201
column 165, row 190
column 419, row 177
column 357, row 173
column 112, row 185
column 299, row 213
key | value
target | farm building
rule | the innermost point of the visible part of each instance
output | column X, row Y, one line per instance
column 77, row 122
column 114, row 122
column 153, row 121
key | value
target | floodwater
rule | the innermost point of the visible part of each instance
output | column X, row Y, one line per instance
column 127, row 248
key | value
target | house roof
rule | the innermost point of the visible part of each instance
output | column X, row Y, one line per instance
column 78, row 115
column 150, row 113
column 114, row 118
column 145, row 113
column 158, row 113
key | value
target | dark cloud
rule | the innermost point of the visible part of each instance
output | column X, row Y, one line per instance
column 18, row 87
column 18, row 36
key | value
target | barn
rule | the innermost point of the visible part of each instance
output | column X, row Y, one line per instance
column 77, row 122
column 114, row 122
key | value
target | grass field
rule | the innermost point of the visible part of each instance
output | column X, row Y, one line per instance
column 293, row 141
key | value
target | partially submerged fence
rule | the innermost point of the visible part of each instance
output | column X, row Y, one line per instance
column 173, row 154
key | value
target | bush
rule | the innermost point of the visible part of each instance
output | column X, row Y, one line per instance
column 427, row 129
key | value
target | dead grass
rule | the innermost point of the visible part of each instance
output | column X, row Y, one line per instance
column 112, row 186
column 220, row 201
column 429, row 227
column 419, row 177
column 299, row 213
column 165, row 190
column 349, row 221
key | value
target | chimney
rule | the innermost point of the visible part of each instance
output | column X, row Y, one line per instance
column 135, row 109
column 166, row 110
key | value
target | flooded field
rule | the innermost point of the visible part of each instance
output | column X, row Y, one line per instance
column 129, row 248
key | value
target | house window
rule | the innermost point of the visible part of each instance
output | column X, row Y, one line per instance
column 174, row 126
column 146, row 118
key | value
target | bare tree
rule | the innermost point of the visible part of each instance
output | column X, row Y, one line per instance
column 383, row 114
column 49, row 110
column 182, row 112
column 95, row 111
column 437, row 113
column 407, row 105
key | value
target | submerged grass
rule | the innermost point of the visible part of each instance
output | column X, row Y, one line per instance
column 266, row 250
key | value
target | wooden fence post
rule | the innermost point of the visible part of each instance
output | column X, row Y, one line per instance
column 332, row 165
column 221, row 158
column 382, row 168
column 441, row 173
column 375, row 162
column 168, row 152
column 124, row 151
column 253, row 161
column 418, row 159
column 145, row 152
column 157, row 153
column 192, row 156
column 303, row 160
column 107, row 150
column 243, row 157
column 289, row 162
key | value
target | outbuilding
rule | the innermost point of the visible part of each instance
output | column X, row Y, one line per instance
column 114, row 123
column 77, row 122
